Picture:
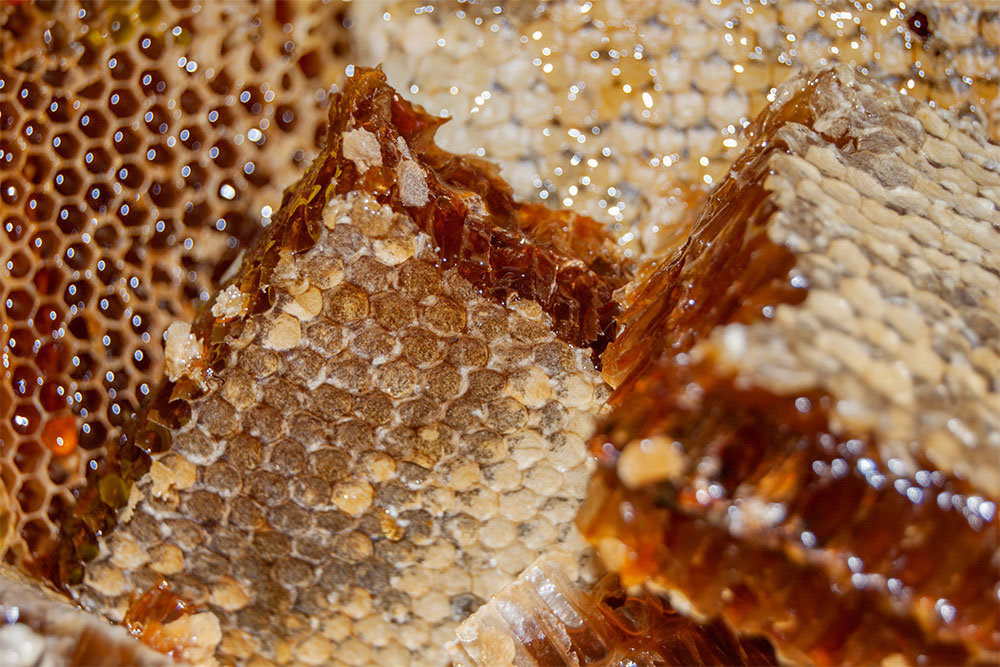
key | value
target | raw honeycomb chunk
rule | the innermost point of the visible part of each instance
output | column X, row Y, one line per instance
column 359, row 444
column 548, row 617
column 805, row 427
column 142, row 144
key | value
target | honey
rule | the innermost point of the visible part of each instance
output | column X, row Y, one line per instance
column 152, row 610
column 830, row 513
column 564, row 262
column 145, row 146
column 59, row 435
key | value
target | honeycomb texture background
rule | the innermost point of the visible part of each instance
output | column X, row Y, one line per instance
column 629, row 110
column 383, row 451
column 131, row 133
column 140, row 144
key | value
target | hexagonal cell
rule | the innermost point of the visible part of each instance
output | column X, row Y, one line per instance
column 66, row 145
column 48, row 280
column 28, row 456
column 223, row 153
column 126, row 140
column 160, row 154
column 39, row 207
column 11, row 154
column 32, row 495
column 67, row 182
column 33, row 132
column 26, row 418
column 15, row 228
column 19, row 304
column 59, row 435
column 51, row 358
column 130, row 175
column 78, row 293
column 70, row 220
column 18, row 264
column 45, row 244
column 192, row 137
column 164, row 193
column 152, row 82
column 24, row 380
column 93, row 123
column 11, row 190
column 60, row 109
column 106, row 236
column 285, row 117
column 141, row 360
column 48, row 318
column 29, row 95
column 54, row 395
column 93, row 435
column 21, row 342
column 78, row 256
column 120, row 65
column 99, row 196
column 97, row 160
column 37, row 167
column 84, row 366
column 122, row 102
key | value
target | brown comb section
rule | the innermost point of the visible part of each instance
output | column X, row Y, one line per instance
column 566, row 263
column 786, row 529
column 763, row 460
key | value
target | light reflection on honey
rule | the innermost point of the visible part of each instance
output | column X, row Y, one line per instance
column 59, row 435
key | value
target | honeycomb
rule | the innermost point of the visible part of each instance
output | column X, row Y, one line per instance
column 142, row 146
column 630, row 110
column 112, row 222
column 804, row 430
column 349, row 465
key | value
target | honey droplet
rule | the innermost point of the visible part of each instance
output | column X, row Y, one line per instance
column 59, row 435
column 150, row 612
